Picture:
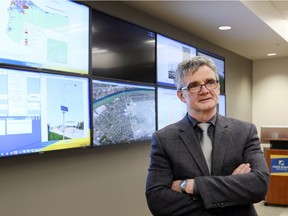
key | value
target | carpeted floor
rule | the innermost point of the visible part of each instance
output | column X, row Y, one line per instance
column 271, row 210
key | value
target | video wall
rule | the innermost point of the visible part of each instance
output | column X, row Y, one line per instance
column 73, row 77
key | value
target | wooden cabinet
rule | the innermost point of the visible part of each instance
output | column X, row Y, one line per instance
column 278, row 187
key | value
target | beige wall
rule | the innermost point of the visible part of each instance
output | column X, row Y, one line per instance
column 111, row 180
column 270, row 88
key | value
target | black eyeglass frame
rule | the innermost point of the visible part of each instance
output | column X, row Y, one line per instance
column 199, row 88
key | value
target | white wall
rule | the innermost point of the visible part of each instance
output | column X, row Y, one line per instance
column 270, row 92
column 239, row 88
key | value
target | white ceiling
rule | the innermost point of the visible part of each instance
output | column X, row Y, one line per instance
column 254, row 23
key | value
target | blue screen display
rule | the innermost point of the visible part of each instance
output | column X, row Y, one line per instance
column 42, row 112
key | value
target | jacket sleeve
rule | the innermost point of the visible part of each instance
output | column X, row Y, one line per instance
column 161, row 199
column 230, row 190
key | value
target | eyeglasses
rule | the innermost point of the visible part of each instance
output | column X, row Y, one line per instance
column 197, row 87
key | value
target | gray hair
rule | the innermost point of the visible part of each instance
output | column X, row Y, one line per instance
column 191, row 66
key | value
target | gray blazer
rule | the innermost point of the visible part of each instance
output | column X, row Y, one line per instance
column 176, row 154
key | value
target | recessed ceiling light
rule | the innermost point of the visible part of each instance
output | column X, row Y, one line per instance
column 271, row 54
column 150, row 41
column 224, row 28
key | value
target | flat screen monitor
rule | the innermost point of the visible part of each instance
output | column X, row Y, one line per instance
column 169, row 54
column 122, row 112
column 170, row 108
column 121, row 50
column 220, row 64
column 42, row 112
column 45, row 34
column 272, row 133
column 221, row 107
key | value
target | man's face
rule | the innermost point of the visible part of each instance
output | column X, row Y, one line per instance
column 204, row 101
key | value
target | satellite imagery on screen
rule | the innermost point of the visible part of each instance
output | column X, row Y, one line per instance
column 122, row 113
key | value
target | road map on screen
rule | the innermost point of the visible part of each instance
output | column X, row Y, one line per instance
column 45, row 34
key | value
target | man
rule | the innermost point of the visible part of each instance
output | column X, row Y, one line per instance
column 181, row 182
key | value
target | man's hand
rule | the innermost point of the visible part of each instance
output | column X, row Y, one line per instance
column 242, row 169
column 176, row 186
column 188, row 189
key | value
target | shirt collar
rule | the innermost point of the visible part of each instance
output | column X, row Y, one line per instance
column 194, row 122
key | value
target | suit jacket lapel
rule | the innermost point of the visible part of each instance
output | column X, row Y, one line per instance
column 221, row 139
column 191, row 142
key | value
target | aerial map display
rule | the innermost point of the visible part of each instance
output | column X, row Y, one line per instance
column 122, row 112
column 45, row 34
